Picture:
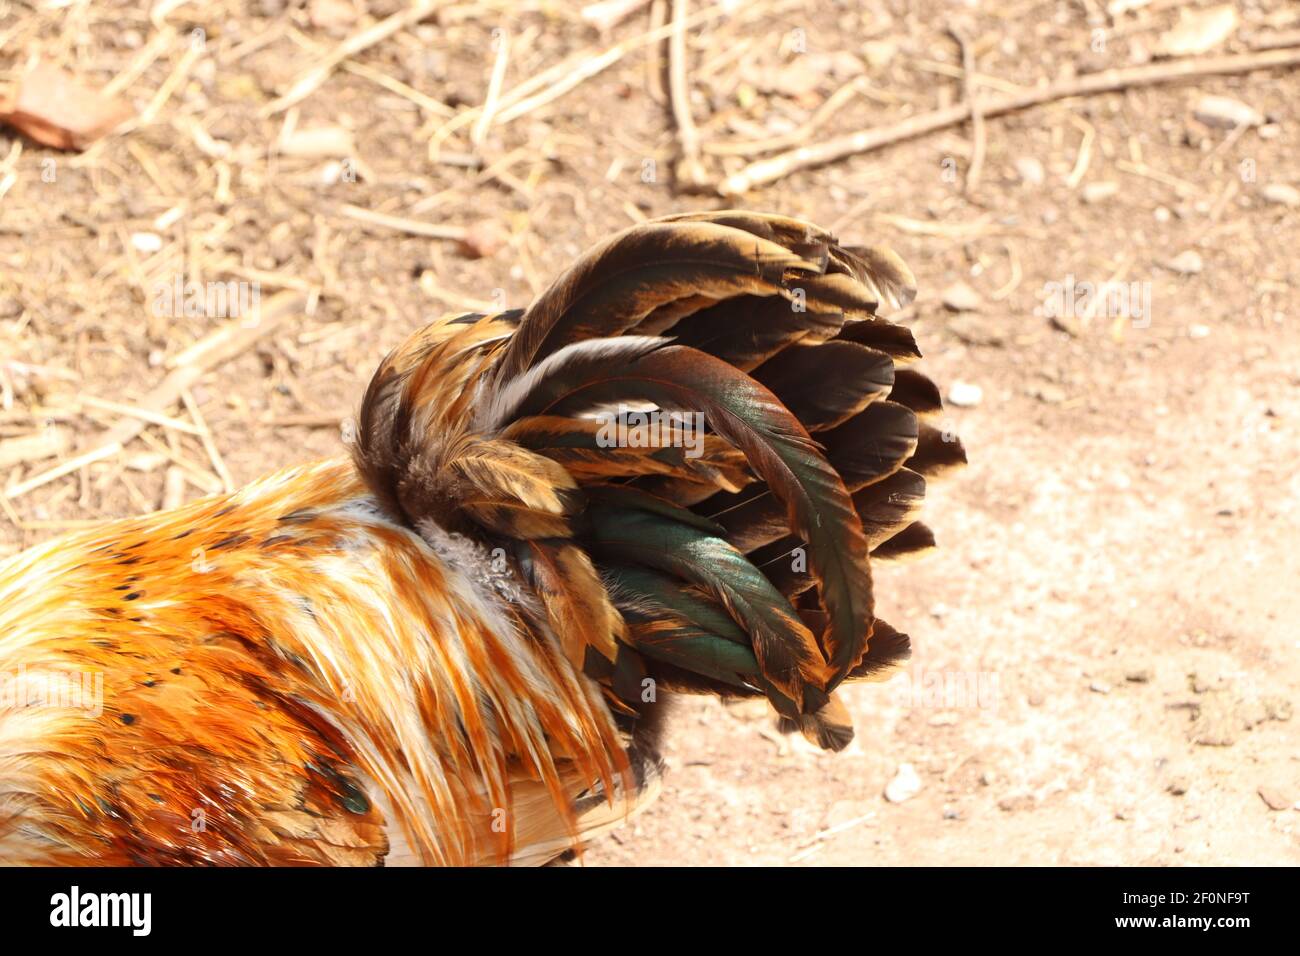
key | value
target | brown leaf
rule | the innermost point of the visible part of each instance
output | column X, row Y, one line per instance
column 482, row 240
column 56, row 109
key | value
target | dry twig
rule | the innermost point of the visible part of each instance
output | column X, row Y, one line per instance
column 170, row 389
column 307, row 84
column 976, row 166
column 767, row 171
column 690, row 174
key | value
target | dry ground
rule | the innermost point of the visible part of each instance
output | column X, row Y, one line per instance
column 1118, row 565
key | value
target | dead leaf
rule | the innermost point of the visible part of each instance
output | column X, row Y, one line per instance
column 482, row 240
column 56, row 109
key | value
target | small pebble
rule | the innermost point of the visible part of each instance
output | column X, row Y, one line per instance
column 905, row 785
column 1186, row 263
column 1282, row 194
column 1198, row 331
column 1015, row 802
column 965, row 394
column 1049, row 393
column 960, row 297
column 879, row 53
column 1100, row 191
column 1223, row 112
column 146, row 242
column 1030, row 171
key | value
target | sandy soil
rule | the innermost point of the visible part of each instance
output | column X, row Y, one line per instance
column 1113, row 606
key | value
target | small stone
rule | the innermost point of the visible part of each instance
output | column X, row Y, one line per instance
column 1223, row 112
column 1099, row 687
column 1198, row 331
column 1275, row 798
column 946, row 719
column 905, row 785
column 1141, row 675
column 1276, row 708
column 1100, row 191
column 330, row 173
column 1048, row 393
column 10, row 307
column 965, row 394
column 974, row 329
column 806, row 72
column 1030, row 171
column 1186, row 263
column 1270, row 131
column 960, row 297
column 950, row 814
column 1014, row 803
column 318, row 141
column 1282, row 194
column 1217, row 722
column 1198, row 31
column 1163, row 214
column 879, row 53
column 146, row 242
column 1178, row 786
column 1036, row 698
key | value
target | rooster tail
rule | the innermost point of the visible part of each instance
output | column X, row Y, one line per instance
column 685, row 455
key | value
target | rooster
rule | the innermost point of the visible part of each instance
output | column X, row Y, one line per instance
column 455, row 645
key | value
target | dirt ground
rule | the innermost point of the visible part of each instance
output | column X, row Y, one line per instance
column 1105, row 663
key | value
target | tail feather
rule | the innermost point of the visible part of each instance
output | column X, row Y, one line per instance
column 917, row 392
column 732, row 559
column 937, row 453
column 825, row 385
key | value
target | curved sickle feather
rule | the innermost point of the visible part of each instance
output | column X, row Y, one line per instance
column 753, row 419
